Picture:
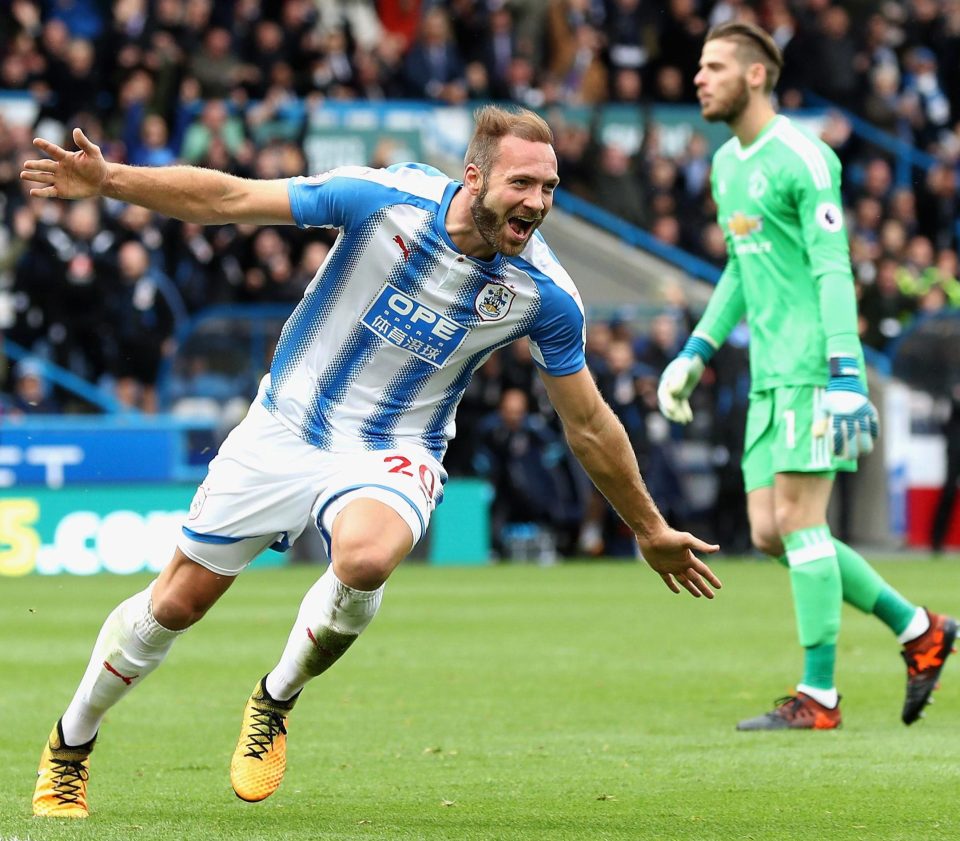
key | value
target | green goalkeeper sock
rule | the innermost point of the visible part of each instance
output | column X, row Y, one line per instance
column 818, row 667
column 817, row 590
column 865, row 589
column 894, row 610
column 862, row 584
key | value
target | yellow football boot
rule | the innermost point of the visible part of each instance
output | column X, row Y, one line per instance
column 261, row 756
column 61, row 790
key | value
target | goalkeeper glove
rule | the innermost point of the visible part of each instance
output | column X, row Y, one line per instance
column 846, row 414
column 680, row 378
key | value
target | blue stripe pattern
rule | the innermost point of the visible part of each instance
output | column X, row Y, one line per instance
column 400, row 392
column 362, row 345
column 312, row 312
column 434, row 439
column 403, row 388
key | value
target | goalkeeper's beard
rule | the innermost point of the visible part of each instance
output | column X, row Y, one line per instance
column 734, row 109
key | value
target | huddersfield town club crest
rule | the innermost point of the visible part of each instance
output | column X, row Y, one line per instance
column 493, row 302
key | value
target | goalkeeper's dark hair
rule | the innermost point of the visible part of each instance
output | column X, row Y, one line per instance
column 754, row 45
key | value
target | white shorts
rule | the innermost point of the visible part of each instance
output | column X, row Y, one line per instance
column 266, row 484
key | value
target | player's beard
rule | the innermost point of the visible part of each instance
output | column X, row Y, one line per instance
column 734, row 108
column 490, row 225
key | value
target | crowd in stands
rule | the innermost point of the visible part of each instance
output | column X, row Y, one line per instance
column 101, row 289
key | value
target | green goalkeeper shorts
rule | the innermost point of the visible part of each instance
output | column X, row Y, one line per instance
column 780, row 439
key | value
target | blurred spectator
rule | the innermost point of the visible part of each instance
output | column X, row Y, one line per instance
column 146, row 312
column 332, row 72
column 731, row 367
column 883, row 105
column 627, row 387
column 518, row 370
column 358, row 17
column 929, row 108
column 153, row 147
column 582, row 77
column 598, row 341
column 832, row 67
column 630, row 32
column 433, row 67
column 497, row 50
column 681, row 37
column 31, row 392
column 522, row 84
column 916, row 274
column 400, row 18
column 938, row 209
column 517, row 453
column 713, row 245
column 215, row 123
column 63, row 284
column 479, row 400
column 193, row 265
column 948, row 276
column 269, row 276
column 877, row 180
column 903, row 207
column 616, row 185
column 627, row 86
column 216, row 67
column 884, row 307
column 661, row 345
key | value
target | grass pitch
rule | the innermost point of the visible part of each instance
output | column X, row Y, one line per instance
column 582, row 701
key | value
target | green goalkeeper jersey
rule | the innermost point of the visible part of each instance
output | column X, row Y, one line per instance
column 788, row 263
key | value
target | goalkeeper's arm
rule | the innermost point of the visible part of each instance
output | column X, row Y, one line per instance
column 724, row 310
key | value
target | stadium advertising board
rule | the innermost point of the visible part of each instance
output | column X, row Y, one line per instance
column 117, row 528
column 57, row 452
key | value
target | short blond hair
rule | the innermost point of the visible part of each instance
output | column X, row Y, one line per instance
column 754, row 45
column 494, row 123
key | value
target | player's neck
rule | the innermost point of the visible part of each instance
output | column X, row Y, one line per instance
column 752, row 121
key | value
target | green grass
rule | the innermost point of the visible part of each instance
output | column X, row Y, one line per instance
column 573, row 702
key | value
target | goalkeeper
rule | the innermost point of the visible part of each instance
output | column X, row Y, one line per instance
column 777, row 191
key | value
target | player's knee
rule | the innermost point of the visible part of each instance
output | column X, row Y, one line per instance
column 766, row 541
column 789, row 517
column 176, row 610
column 363, row 563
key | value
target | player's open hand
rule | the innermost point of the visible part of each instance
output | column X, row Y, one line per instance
column 671, row 553
column 67, row 175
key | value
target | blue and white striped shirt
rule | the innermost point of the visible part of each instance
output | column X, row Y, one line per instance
column 381, row 348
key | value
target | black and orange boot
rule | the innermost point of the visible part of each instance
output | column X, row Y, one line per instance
column 925, row 657
column 795, row 712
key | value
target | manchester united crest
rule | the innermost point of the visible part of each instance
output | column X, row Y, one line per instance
column 493, row 302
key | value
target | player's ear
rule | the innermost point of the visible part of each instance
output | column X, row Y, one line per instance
column 473, row 179
column 756, row 75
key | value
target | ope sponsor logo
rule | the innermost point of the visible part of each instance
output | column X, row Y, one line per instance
column 408, row 324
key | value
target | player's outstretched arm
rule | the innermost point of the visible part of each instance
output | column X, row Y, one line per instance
column 192, row 194
column 600, row 444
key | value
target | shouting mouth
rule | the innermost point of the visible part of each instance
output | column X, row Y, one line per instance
column 521, row 227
